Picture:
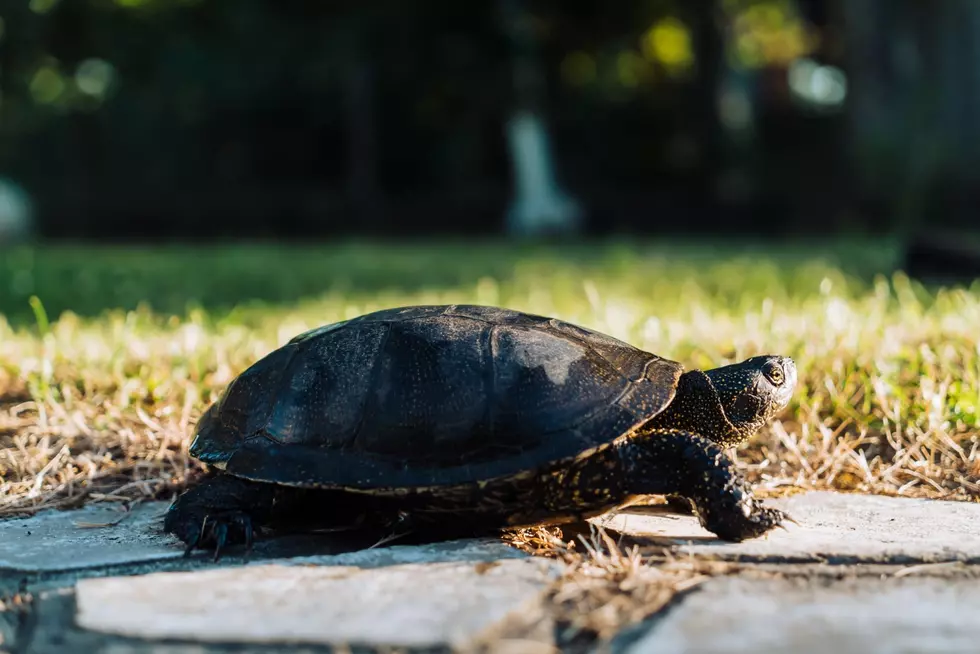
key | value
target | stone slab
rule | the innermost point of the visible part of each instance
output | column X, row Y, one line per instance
column 833, row 527
column 734, row 615
column 104, row 536
column 95, row 536
column 414, row 605
column 467, row 550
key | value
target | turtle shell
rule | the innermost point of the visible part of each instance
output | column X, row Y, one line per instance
column 430, row 396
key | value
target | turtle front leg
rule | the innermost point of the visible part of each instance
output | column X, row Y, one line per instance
column 220, row 511
column 680, row 463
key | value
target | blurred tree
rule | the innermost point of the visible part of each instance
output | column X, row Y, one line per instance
column 540, row 205
column 352, row 37
column 228, row 117
column 914, row 90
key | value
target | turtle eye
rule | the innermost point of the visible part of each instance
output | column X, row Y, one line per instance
column 774, row 373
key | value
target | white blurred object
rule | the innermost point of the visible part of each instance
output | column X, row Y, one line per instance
column 823, row 87
column 16, row 212
column 540, row 206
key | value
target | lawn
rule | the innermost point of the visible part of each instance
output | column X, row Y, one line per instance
column 108, row 356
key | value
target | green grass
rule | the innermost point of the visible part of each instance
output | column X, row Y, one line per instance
column 104, row 374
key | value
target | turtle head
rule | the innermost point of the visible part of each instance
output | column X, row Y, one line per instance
column 754, row 391
column 731, row 403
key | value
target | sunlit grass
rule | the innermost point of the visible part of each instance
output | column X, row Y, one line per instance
column 100, row 403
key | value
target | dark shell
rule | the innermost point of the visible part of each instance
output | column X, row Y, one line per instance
column 429, row 396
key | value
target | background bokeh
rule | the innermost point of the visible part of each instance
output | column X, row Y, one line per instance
column 185, row 185
column 231, row 119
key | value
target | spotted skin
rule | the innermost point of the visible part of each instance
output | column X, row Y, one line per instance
column 475, row 417
column 663, row 462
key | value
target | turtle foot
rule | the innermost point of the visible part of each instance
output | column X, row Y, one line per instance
column 742, row 525
column 217, row 514
column 211, row 531
column 220, row 530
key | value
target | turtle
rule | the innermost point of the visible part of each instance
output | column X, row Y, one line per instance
column 489, row 418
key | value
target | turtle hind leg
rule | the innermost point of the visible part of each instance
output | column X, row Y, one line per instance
column 672, row 462
column 220, row 511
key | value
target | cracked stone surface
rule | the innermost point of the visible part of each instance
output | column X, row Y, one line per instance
column 103, row 535
column 413, row 605
column 98, row 535
column 312, row 593
column 834, row 527
column 851, row 616
column 473, row 551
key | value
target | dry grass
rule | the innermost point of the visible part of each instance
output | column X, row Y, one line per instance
column 604, row 587
column 100, row 404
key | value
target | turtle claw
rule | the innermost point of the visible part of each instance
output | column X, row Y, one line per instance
column 737, row 526
column 245, row 522
column 190, row 546
column 220, row 539
column 195, row 539
column 218, row 531
column 778, row 519
column 787, row 518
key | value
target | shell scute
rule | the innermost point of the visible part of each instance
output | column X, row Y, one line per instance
column 430, row 396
